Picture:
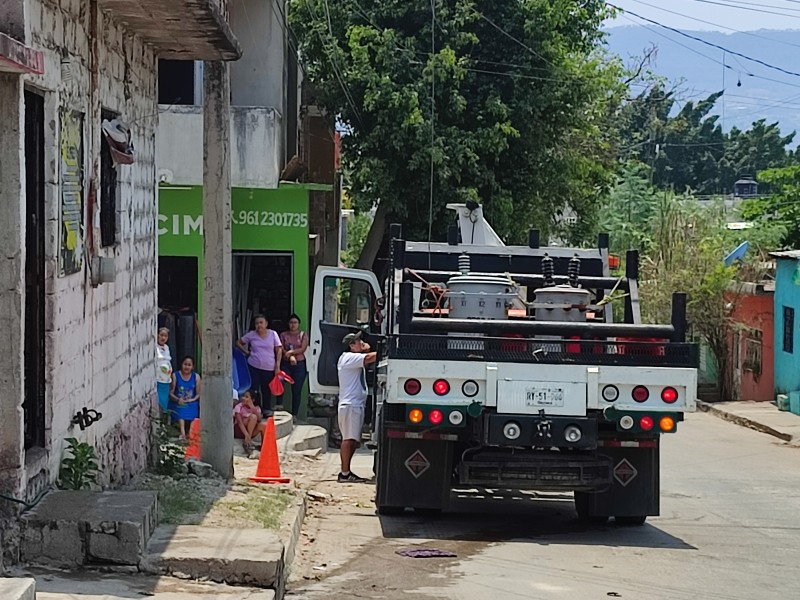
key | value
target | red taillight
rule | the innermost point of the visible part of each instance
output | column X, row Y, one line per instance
column 436, row 417
column 669, row 395
column 640, row 393
column 646, row 423
column 441, row 387
column 412, row 387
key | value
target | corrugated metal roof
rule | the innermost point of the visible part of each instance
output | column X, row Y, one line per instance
column 786, row 254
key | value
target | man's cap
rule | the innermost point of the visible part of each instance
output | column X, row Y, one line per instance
column 351, row 338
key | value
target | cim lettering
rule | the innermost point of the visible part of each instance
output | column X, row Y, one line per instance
column 190, row 224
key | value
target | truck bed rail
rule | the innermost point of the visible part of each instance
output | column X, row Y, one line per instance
column 633, row 353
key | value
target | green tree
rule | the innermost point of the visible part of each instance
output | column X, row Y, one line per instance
column 760, row 148
column 509, row 100
column 629, row 209
column 782, row 207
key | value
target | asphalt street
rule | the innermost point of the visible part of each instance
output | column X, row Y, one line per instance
column 729, row 529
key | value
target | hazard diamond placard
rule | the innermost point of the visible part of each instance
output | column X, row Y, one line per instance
column 417, row 464
column 625, row 472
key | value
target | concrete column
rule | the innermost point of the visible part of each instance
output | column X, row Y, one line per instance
column 12, row 282
column 216, row 408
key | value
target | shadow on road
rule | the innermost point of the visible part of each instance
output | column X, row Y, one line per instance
column 544, row 520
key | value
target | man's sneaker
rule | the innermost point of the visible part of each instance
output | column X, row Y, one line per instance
column 350, row 478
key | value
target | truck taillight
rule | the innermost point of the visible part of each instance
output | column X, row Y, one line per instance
column 640, row 393
column 436, row 417
column 669, row 395
column 646, row 423
column 412, row 387
column 415, row 416
column 441, row 387
column 667, row 423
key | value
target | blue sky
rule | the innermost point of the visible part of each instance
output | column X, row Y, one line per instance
column 735, row 14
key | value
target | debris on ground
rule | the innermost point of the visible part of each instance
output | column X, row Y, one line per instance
column 426, row 553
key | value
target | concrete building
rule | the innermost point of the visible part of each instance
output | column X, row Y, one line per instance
column 78, row 244
column 787, row 332
column 285, row 212
column 752, row 341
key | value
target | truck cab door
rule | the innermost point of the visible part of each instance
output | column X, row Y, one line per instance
column 344, row 302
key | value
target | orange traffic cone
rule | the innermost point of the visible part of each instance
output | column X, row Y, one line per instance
column 193, row 449
column 269, row 466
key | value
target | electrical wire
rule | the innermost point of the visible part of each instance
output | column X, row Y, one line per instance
column 433, row 124
column 334, row 64
column 747, row 33
column 760, row 8
column 707, row 57
column 707, row 43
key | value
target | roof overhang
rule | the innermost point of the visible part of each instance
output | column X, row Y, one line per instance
column 16, row 57
column 178, row 29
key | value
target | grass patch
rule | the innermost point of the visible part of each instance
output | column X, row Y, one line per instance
column 264, row 507
column 182, row 500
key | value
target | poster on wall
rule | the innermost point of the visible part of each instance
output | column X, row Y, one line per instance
column 70, row 249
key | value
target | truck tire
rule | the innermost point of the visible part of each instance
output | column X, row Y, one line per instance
column 631, row 521
column 582, row 508
column 390, row 511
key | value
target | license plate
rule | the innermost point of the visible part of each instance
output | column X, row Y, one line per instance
column 544, row 397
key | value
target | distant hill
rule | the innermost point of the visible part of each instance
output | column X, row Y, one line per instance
column 756, row 98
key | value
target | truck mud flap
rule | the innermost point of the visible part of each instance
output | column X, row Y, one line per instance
column 545, row 471
column 635, row 487
column 414, row 473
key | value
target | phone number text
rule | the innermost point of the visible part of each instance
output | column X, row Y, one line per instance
column 265, row 218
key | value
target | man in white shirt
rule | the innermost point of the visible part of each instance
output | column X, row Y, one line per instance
column 352, row 399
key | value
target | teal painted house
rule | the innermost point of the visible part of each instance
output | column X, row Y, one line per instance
column 787, row 322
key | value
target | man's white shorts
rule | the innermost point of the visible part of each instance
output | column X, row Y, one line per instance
column 351, row 421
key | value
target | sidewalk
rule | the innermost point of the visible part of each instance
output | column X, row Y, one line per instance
column 760, row 416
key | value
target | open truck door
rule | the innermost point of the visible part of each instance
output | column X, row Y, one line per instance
column 344, row 302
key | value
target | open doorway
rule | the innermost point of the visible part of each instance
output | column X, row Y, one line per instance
column 263, row 283
column 34, row 353
column 178, row 305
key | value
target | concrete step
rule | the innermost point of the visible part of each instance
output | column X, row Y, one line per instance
column 284, row 424
column 79, row 585
column 232, row 556
column 17, row 588
column 68, row 529
column 305, row 437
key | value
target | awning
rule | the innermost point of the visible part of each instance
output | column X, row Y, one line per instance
column 16, row 57
column 178, row 29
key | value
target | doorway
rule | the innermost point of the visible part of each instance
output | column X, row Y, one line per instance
column 34, row 352
column 263, row 283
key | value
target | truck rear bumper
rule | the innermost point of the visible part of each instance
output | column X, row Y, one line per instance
column 544, row 471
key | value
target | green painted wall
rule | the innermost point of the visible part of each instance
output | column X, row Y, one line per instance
column 273, row 220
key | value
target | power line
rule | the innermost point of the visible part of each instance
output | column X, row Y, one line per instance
column 511, row 37
column 760, row 8
column 748, row 33
column 335, row 66
column 707, row 43
column 433, row 123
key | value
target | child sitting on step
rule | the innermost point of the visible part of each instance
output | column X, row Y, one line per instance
column 247, row 423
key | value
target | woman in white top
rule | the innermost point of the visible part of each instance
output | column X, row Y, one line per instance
column 163, row 367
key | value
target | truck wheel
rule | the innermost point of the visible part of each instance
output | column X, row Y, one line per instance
column 631, row 521
column 582, row 508
column 390, row 511
column 428, row 512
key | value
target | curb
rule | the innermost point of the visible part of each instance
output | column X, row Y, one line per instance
column 295, row 528
column 743, row 421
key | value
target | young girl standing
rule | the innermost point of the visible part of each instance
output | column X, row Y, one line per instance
column 185, row 395
column 163, row 368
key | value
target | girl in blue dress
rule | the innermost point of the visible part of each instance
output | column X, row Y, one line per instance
column 185, row 395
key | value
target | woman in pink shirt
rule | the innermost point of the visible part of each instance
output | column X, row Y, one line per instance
column 264, row 352
column 295, row 344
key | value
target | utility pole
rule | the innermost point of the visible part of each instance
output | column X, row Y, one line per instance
column 216, row 436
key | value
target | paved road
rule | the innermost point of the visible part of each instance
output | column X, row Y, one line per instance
column 730, row 529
